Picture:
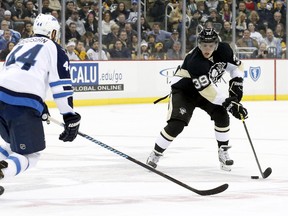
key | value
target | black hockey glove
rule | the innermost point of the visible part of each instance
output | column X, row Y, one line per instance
column 71, row 127
column 232, row 105
column 45, row 114
column 236, row 88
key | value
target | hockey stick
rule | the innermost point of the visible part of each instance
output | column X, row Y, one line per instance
column 213, row 191
column 268, row 171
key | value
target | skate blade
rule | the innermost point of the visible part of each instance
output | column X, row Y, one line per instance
column 224, row 167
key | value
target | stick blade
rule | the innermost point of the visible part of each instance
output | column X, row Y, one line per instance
column 267, row 172
column 213, row 191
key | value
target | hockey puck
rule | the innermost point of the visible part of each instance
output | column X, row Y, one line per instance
column 254, row 177
column 1, row 190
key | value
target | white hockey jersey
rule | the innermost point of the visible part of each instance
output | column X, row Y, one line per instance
column 34, row 65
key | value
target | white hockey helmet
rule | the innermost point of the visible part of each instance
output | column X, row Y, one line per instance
column 47, row 25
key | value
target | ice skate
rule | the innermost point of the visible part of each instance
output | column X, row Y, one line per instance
column 153, row 158
column 3, row 164
column 225, row 161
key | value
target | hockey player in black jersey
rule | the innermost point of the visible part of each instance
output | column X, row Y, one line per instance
column 195, row 85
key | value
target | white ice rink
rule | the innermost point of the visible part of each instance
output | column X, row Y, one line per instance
column 84, row 179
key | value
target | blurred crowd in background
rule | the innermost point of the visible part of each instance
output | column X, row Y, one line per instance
column 260, row 27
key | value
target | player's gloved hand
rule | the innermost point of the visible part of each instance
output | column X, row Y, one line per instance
column 45, row 114
column 71, row 127
column 232, row 105
column 236, row 88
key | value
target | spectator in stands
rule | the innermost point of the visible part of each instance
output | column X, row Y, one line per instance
column 121, row 9
column 95, row 10
column 245, row 44
column 203, row 11
column 119, row 52
column 168, row 44
column 260, row 53
column 242, row 8
column 250, row 5
column 91, row 25
column 255, row 34
column 45, row 7
column 55, row 13
column 226, row 32
column 158, row 52
column 80, row 50
column 121, row 21
column 226, row 13
column 175, row 52
column 265, row 15
column 89, row 38
column 280, row 32
column 18, row 15
column 272, row 41
column 215, row 19
column 161, row 35
column 277, row 18
column 79, row 24
column 107, row 22
column 157, row 12
column 5, row 39
column 144, row 51
column 151, row 39
column 7, row 4
column 145, row 27
column 15, row 35
column 84, row 11
column 241, row 24
column 55, row 5
column 123, row 37
column 112, row 36
column 70, row 47
column 191, row 31
column 280, row 7
column 70, row 8
column 212, row 4
column 175, row 16
column 191, row 7
column 134, row 47
column 7, row 17
column 7, row 50
column 133, row 12
column 110, row 5
column 130, row 31
column 30, row 14
column 94, row 54
column 2, row 11
column 71, row 32
column 27, row 30
column 255, row 19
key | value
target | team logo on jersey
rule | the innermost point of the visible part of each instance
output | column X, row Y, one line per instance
column 182, row 110
column 22, row 146
column 255, row 73
column 217, row 71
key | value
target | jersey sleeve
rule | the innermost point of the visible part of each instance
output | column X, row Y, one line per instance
column 60, row 80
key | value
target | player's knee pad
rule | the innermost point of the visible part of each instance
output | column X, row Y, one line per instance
column 174, row 127
column 221, row 118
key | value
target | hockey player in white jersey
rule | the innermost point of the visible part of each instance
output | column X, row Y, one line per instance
column 34, row 65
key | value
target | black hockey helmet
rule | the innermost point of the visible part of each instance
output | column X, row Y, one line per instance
column 208, row 35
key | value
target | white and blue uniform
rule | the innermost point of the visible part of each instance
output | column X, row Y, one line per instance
column 34, row 65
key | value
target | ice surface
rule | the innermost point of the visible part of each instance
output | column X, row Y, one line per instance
column 84, row 179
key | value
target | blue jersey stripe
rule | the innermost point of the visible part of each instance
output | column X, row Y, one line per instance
column 21, row 101
column 63, row 94
column 60, row 82
column 4, row 152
